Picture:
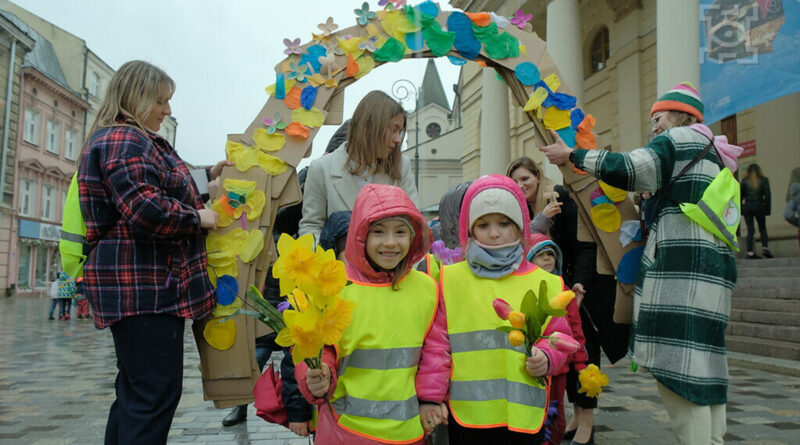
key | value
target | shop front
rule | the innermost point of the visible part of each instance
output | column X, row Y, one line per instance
column 37, row 256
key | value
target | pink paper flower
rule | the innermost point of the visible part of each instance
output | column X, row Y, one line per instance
column 292, row 46
column 502, row 308
column 521, row 19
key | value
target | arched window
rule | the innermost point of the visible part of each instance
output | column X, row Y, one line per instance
column 598, row 54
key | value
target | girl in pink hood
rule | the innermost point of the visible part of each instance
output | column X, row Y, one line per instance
column 492, row 389
column 365, row 390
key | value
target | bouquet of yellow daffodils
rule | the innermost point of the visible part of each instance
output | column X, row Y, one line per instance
column 311, row 281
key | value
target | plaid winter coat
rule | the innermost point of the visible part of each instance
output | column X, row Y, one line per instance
column 141, row 207
column 682, row 296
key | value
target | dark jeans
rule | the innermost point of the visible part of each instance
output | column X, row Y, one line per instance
column 751, row 229
column 149, row 379
column 459, row 435
column 62, row 306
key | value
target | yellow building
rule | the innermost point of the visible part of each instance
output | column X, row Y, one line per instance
column 617, row 57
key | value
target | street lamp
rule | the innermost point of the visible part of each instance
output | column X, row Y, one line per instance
column 401, row 89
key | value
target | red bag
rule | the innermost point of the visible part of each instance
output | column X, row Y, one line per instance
column 269, row 405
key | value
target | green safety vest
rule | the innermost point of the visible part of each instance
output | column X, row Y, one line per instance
column 73, row 233
column 490, row 386
column 375, row 396
column 719, row 210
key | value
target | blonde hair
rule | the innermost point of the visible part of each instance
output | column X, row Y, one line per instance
column 543, row 186
column 368, row 127
column 131, row 95
column 682, row 119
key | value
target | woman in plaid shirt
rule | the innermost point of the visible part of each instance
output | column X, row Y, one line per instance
column 146, row 271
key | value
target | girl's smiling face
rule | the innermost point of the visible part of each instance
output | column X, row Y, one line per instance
column 388, row 242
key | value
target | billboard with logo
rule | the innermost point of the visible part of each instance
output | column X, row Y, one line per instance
column 749, row 53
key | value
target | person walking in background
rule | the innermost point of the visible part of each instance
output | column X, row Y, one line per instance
column 66, row 292
column 146, row 271
column 756, row 204
column 687, row 274
column 81, row 303
column 52, row 292
column 792, row 211
column 538, row 193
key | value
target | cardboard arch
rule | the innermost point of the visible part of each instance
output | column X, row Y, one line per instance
column 229, row 376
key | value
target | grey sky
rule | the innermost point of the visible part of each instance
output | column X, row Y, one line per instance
column 221, row 55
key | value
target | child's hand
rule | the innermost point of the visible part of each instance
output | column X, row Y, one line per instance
column 431, row 415
column 580, row 292
column 552, row 209
column 537, row 363
column 301, row 428
column 319, row 380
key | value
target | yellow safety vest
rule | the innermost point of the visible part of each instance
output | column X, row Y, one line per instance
column 490, row 386
column 719, row 210
column 73, row 233
column 375, row 395
column 434, row 266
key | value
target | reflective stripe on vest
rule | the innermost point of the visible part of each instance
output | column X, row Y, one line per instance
column 73, row 232
column 717, row 222
column 504, row 394
column 375, row 396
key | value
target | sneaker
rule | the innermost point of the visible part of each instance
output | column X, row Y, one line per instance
column 753, row 257
column 766, row 253
column 50, row 318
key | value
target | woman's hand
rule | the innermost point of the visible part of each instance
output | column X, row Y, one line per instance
column 216, row 170
column 208, row 218
column 557, row 152
column 302, row 428
column 537, row 363
column 432, row 415
column 552, row 209
column 319, row 380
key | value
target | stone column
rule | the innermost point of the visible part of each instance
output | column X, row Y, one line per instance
column 564, row 43
column 678, row 51
column 495, row 137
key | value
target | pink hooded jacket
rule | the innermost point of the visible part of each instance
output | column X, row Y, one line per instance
column 373, row 203
column 433, row 376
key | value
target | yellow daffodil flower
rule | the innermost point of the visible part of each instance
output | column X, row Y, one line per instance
column 297, row 265
column 331, row 279
column 298, row 300
column 335, row 319
column 592, row 381
column 302, row 332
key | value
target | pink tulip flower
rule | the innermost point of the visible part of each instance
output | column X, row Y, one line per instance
column 564, row 342
column 502, row 308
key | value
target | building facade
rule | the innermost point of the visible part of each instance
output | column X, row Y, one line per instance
column 49, row 139
column 617, row 57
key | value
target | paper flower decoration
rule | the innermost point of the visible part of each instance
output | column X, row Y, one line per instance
column 592, row 381
column 222, row 251
column 364, row 14
column 241, row 200
column 368, row 44
column 328, row 27
column 274, row 124
column 220, row 334
column 392, row 4
column 292, row 46
column 245, row 158
column 297, row 72
column 520, row 19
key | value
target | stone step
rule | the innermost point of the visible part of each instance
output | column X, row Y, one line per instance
column 785, row 293
column 767, row 348
column 764, row 331
column 766, row 317
column 768, row 263
column 768, row 283
column 766, row 304
column 763, row 272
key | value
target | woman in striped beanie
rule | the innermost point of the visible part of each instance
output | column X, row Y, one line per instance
column 686, row 276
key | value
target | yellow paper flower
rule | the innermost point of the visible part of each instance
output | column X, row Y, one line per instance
column 268, row 142
column 249, row 201
column 561, row 300
column 302, row 332
column 592, row 381
column 335, row 319
column 220, row 335
column 246, row 158
column 331, row 279
column 226, row 311
column 297, row 265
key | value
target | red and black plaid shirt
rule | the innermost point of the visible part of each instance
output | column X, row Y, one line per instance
column 147, row 249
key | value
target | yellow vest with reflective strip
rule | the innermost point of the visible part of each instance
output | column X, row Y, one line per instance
column 719, row 210
column 490, row 387
column 73, row 233
column 379, row 351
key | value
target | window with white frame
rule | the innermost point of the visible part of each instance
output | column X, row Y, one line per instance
column 94, row 85
column 70, row 143
column 31, row 133
column 27, row 196
column 53, row 130
column 48, row 202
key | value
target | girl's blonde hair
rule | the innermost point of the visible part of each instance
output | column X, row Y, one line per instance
column 368, row 127
column 135, row 89
column 544, row 185
column 682, row 119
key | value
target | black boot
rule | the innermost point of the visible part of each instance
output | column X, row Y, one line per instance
column 237, row 415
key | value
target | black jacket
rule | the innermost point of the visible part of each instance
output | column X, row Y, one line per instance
column 756, row 200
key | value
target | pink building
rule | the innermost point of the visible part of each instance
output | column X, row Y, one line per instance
column 50, row 138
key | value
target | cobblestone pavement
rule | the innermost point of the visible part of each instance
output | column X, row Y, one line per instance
column 57, row 382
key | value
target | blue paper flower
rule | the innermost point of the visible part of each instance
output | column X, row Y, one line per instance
column 364, row 14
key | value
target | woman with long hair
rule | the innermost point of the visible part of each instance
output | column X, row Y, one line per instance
column 538, row 191
column 146, row 270
column 756, row 204
column 370, row 155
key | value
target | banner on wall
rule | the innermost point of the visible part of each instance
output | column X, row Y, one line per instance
column 748, row 53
